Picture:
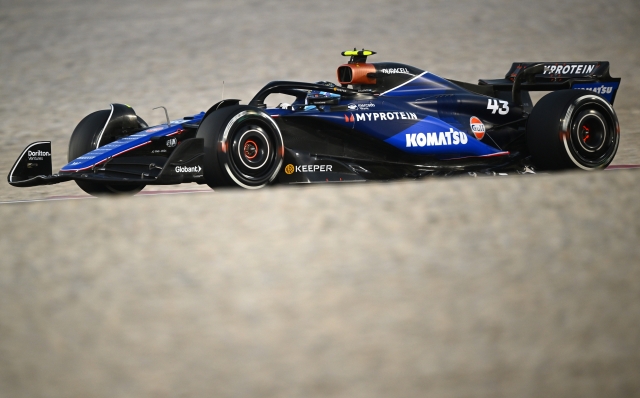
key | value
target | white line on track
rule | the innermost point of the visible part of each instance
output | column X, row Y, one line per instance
column 189, row 191
column 81, row 197
column 623, row 166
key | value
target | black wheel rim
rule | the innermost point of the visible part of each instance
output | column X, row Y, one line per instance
column 591, row 132
column 252, row 156
column 252, row 150
column 593, row 137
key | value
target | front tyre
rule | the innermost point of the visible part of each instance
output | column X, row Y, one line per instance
column 571, row 129
column 101, row 189
column 85, row 139
column 243, row 147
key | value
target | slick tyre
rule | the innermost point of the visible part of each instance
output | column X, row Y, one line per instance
column 571, row 129
column 243, row 147
column 85, row 139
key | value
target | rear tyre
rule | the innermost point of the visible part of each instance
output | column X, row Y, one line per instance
column 84, row 139
column 243, row 147
column 571, row 129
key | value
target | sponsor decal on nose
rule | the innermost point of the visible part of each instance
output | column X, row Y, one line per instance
column 171, row 142
column 38, row 155
column 188, row 169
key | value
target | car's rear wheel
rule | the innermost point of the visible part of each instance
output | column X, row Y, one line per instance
column 571, row 129
column 243, row 147
column 85, row 139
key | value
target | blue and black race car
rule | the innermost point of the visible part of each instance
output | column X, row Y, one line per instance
column 382, row 121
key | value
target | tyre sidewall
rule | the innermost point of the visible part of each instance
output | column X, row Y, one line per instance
column 84, row 136
column 218, row 130
column 549, row 130
column 84, row 139
column 581, row 104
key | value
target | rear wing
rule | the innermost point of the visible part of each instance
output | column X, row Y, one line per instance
column 552, row 76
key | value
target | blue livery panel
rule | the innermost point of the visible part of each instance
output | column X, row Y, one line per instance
column 425, row 84
column 431, row 136
column 126, row 144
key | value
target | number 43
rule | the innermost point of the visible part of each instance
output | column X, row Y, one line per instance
column 502, row 107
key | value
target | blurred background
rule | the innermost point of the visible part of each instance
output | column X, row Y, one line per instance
column 523, row 286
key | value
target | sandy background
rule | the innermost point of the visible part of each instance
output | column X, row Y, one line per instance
column 460, row 287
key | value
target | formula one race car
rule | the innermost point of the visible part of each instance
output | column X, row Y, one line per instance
column 383, row 121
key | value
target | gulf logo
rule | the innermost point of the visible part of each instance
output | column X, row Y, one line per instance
column 477, row 127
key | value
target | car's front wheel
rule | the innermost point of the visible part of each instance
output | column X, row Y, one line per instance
column 85, row 138
column 243, row 147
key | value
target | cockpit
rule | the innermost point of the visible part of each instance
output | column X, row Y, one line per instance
column 357, row 79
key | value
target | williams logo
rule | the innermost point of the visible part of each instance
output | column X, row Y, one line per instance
column 171, row 142
column 450, row 137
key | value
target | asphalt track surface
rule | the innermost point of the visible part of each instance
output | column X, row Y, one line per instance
column 514, row 286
